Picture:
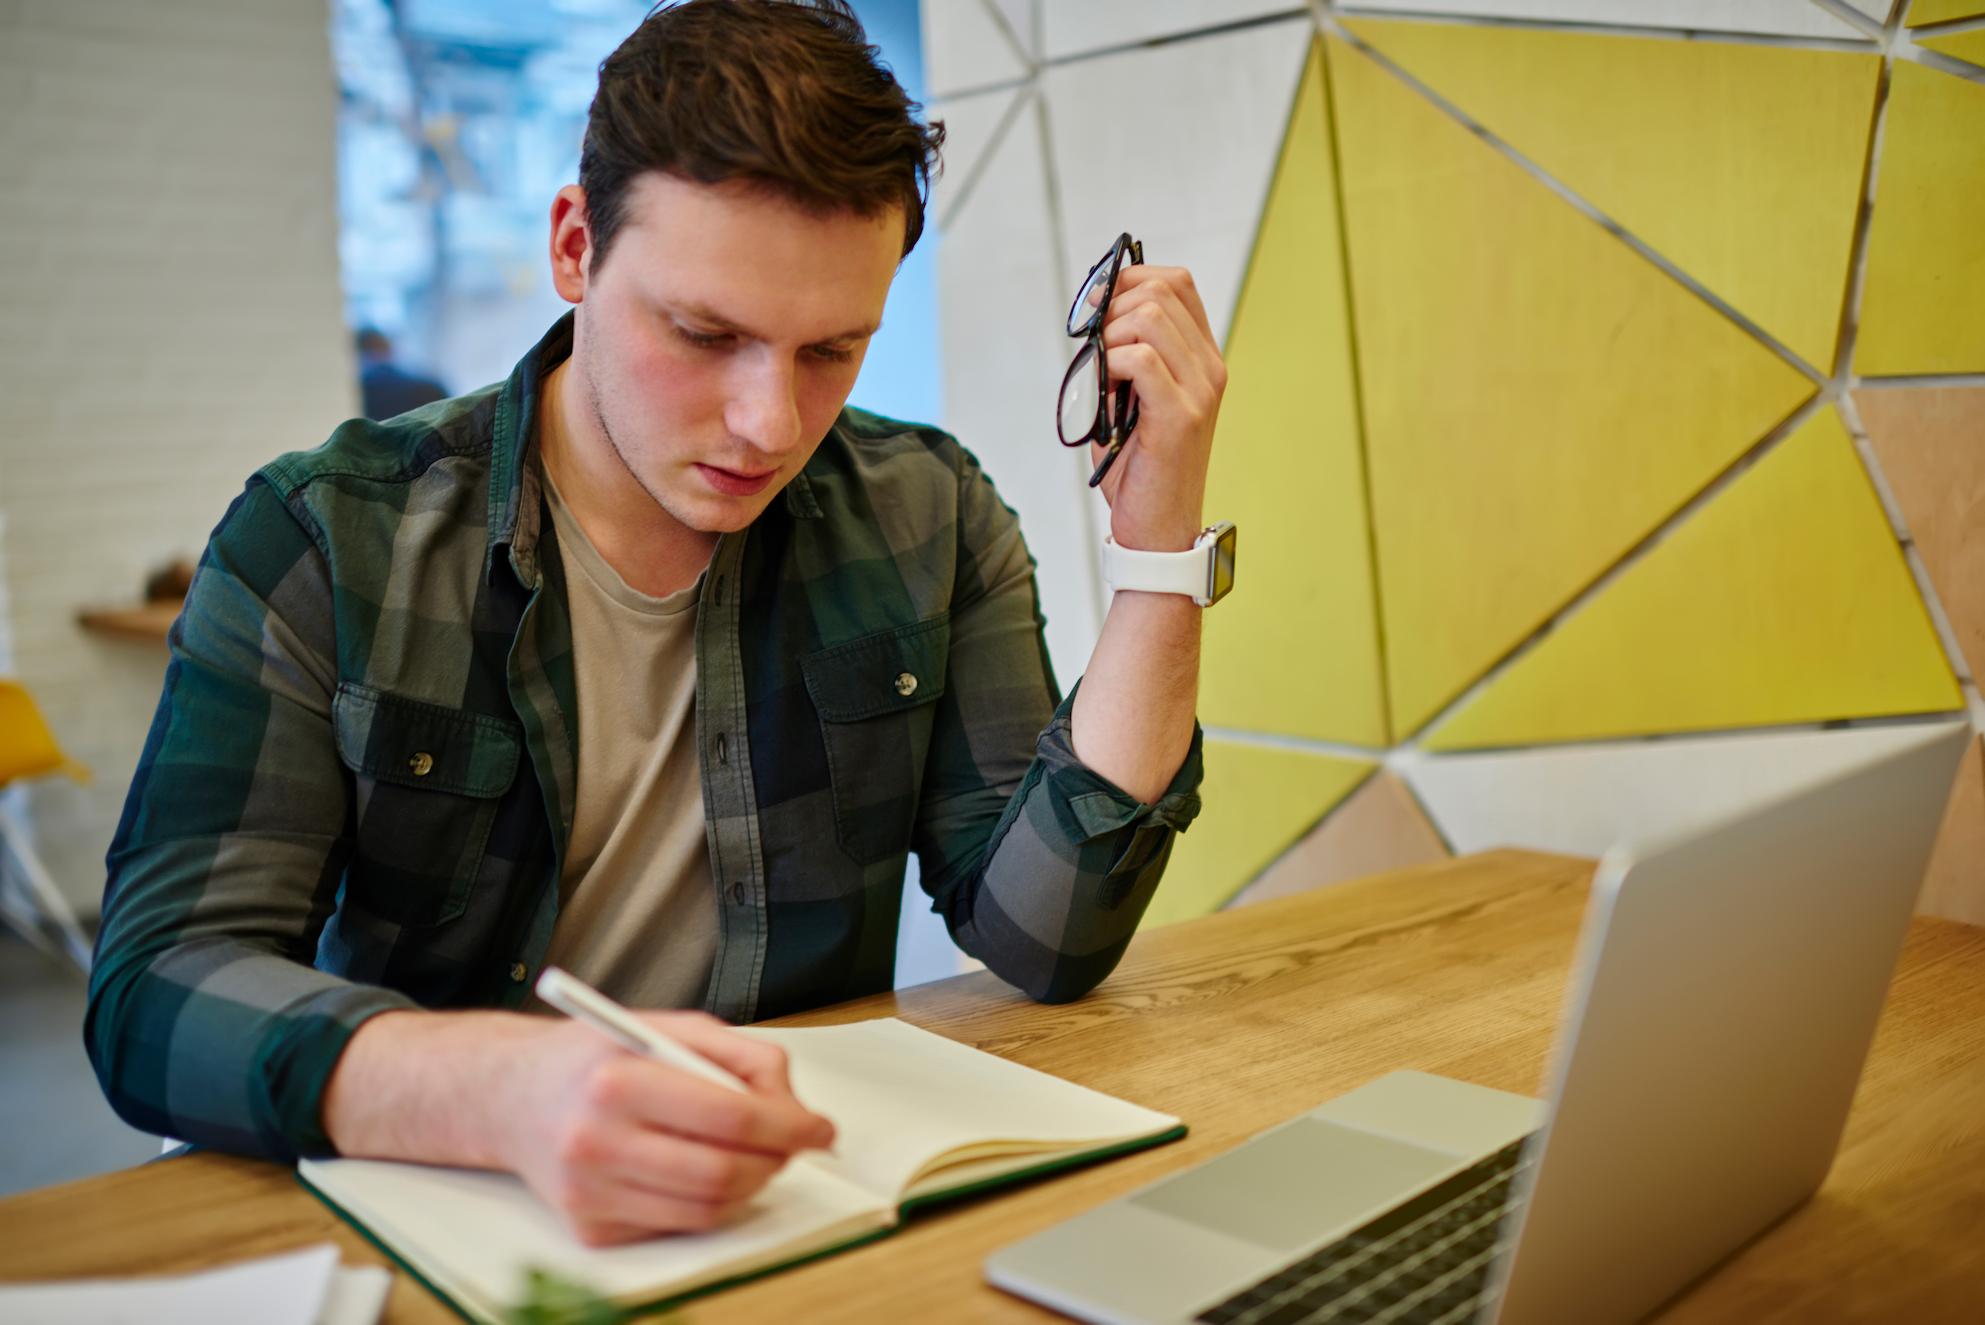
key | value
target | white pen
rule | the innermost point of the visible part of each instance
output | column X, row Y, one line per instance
column 580, row 1001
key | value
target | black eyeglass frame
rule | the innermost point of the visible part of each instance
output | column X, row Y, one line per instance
column 1110, row 427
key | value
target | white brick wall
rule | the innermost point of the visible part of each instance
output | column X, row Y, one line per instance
column 171, row 320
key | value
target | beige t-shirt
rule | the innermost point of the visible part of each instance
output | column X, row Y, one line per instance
column 637, row 915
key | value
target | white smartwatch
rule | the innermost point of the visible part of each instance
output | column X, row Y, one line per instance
column 1204, row 572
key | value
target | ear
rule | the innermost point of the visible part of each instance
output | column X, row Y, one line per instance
column 571, row 244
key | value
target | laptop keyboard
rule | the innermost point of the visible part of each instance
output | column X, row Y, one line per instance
column 1425, row 1262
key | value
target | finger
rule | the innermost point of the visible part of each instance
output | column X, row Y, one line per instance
column 1167, row 328
column 1175, row 279
column 671, row 1165
column 662, row 1097
column 1150, row 376
column 610, row 1212
column 759, row 1065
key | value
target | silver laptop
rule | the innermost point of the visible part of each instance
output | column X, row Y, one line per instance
column 1726, row 989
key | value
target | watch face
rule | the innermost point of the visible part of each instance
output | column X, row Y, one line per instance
column 1223, row 563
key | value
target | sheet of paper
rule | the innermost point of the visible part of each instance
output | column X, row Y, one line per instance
column 290, row 1289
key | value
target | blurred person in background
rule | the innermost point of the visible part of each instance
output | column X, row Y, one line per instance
column 386, row 388
column 652, row 662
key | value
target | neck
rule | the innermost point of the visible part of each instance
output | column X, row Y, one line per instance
column 646, row 546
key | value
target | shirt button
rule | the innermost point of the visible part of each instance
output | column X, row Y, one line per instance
column 737, row 893
column 519, row 971
column 906, row 685
column 422, row 764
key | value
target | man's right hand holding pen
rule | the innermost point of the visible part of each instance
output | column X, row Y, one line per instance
column 622, row 1145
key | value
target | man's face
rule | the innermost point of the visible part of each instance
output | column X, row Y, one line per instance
column 721, row 336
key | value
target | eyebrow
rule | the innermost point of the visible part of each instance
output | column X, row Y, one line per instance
column 703, row 313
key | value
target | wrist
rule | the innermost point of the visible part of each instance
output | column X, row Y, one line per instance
column 426, row 1086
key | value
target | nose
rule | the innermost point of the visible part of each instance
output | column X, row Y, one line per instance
column 762, row 409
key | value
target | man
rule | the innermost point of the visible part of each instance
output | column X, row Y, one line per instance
column 653, row 662
column 385, row 388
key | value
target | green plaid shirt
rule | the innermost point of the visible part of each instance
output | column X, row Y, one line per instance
column 358, row 787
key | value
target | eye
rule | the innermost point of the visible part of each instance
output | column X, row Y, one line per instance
column 829, row 354
column 703, row 340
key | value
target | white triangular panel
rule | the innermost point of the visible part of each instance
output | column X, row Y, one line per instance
column 971, row 124
column 1019, row 16
column 1784, row 18
column 1075, row 26
column 1000, row 311
column 1875, row 9
column 1584, row 799
column 1177, row 145
column 964, row 48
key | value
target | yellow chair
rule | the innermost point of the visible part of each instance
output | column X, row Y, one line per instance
column 28, row 749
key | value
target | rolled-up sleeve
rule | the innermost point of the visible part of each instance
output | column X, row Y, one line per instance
column 1041, row 867
column 206, row 1019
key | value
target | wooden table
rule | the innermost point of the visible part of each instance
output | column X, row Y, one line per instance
column 1235, row 1022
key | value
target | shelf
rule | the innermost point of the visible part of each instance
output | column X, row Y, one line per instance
column 146, row 621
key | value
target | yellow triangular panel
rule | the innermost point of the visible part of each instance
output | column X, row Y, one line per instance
column 1537, row 396
column 1784, row 600
column 1925, row 280
column 1964, row 45
column 1739, row 163
column 1295, row 649
column 1938, row 11
column 1258, row 801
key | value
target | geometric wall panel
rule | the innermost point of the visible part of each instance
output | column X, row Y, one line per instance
column 1583, row 799
column 1537, row 396
column 1931, row 445
column 1214, row 109
column 1784, row 600
column 1378, row 829
column 1964, row 45
column 1296, row 651
column 1926, row 246
column 971, row 127
column 1955, row 887
column 1096, row 24
column 1001, row 323
column 1938, row 11
column 1788, row 18
column 1739, row 163
column 964, row 48
column 1258, row 800
column 1878, row 10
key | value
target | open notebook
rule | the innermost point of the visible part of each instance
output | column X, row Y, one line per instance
column 919, row 1118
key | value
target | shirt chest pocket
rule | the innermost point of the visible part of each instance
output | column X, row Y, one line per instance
column 877, row 698
column 427, row 782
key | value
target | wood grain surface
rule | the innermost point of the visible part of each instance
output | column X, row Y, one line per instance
column 1234, row 1022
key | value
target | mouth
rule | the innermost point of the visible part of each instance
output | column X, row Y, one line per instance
column 735, row 483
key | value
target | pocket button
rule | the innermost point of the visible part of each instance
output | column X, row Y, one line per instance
column 421, row 764
column 906, row 684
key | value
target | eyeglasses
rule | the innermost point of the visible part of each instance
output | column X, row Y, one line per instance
column 1093, row 408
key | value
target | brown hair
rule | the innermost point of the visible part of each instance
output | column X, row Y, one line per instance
column 787, row 95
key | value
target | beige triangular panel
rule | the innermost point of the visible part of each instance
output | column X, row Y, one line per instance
column 1739, row 163
column 1964, row 45
column 1784, row 600
column 1931, row 445
column 1379, row 828
column 1295, row 648
column 1925, row 275
column 1955, row 887
column 1940, row 11
column 1537, row 396
column 1257, row 801
column 1878, row 10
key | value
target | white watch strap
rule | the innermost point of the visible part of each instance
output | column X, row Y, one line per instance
column 1157, row 572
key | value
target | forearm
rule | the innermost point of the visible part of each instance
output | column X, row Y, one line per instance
column 1133, row 716
column 426, row 1086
